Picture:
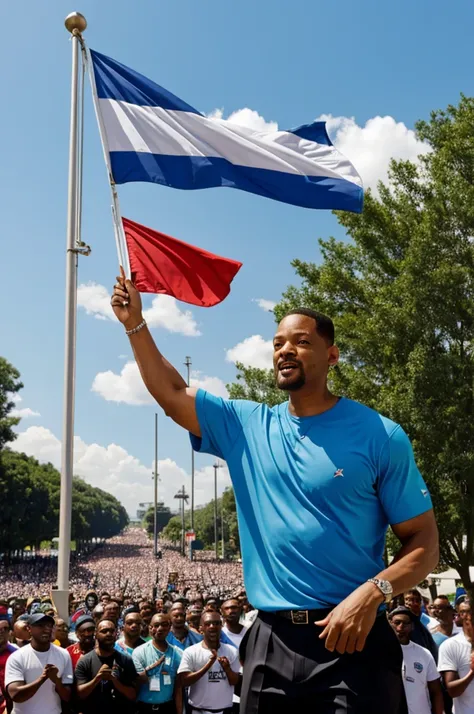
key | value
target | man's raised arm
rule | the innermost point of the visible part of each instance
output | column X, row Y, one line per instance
column 162, row 380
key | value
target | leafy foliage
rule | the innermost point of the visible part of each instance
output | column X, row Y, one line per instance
column 204, row 524
column 30, row 505
column 164, row 516
column 9, row 384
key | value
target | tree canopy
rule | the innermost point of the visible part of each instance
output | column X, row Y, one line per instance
column 30, row 490
column 400, row 290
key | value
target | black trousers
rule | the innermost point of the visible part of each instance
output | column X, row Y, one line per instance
column 287, row 665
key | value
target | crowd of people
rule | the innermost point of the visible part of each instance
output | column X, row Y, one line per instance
column 124, row 564
column 168, row 635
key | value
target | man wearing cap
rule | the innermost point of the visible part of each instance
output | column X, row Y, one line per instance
column 39, row 676
column 420, row 676
column 85, row 633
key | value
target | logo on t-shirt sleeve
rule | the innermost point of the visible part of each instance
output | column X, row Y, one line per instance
column 338, row 472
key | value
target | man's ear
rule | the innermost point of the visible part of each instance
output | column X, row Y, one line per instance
column 333, row 355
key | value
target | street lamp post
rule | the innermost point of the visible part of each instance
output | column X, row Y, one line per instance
column 183, row 496
column 217, row 465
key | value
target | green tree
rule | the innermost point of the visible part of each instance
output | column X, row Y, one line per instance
column 257, row 385
column 401, row 296
column 163, row 514
column 9, row 384
column 172, row 531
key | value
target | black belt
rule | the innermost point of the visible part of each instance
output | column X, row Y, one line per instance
column 300, row 617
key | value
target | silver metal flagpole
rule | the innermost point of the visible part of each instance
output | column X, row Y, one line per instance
column 75, row 24
column 155, row 516
column 188, row 364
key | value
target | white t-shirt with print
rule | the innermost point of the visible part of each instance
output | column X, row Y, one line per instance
column 419, row 668
column 26, row 665
column 213, row 689
column 455, row 656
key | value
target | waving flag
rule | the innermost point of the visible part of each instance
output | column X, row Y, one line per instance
column 151, row 135
column 161, row 264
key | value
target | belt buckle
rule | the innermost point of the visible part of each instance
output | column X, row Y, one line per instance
column 299, row 617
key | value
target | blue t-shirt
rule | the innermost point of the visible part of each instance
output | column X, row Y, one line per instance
column 314, row 495
column 146, row 655
column 192, row 638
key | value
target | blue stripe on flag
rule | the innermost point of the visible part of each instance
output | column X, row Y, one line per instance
column 313, row 132
column 116, row 81
column 196, row 172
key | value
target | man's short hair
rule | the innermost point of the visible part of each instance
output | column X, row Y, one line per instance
column 413, row 591
column 324, row 324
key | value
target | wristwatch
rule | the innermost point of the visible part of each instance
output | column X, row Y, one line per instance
column 385, row 588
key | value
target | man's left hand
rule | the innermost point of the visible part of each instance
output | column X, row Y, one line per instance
column 347, row 626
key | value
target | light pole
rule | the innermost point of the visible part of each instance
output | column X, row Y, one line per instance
column 222, row 528
column 217, row 465
column 155, row 515
column 188, row 364
column 183, row 496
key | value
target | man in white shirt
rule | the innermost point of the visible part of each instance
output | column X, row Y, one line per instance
column 456, row 663
column 210, row 669
column 420, row 676
column 38, row 677
column 231, row 612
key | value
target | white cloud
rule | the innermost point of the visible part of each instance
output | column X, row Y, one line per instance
column 24, row 413
column 114, row 470
column 15, row 398
column 128, row 387
column 214, row 385
column 246, row 117
column 95, row 299
column 266, row 305
column 164, row 310
column 123, row 356
column 254, row 351
column 370, row 147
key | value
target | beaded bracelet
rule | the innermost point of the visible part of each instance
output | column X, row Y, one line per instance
column 136, row 329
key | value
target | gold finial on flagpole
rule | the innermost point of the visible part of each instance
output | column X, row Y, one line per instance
column 75, row 21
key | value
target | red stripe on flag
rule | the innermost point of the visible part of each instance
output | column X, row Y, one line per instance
column 163, row 265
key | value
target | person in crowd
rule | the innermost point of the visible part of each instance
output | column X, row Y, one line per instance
column 21, row 633
column 105, row 598
column 157, row 662
column 112, row 611
column 420, row 676
column 420, row 634
column 414, row 602
column 444, row 613
column 105, row 678
column 131, row 637
column 456, row 663
column 193, row 617
column 210, row 669
column 85, row 633
column 6, row 649
column 146, row 609
column 159, row 605
column 61, row 633
column 38, row 676
column 231, row 612
column 323, row 565
column 98, row 613
column 18, row 609
column 180, row 635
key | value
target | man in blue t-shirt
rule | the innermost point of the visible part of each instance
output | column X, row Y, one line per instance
column 317, row 481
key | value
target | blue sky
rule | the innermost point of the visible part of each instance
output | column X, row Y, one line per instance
column 374, row 67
